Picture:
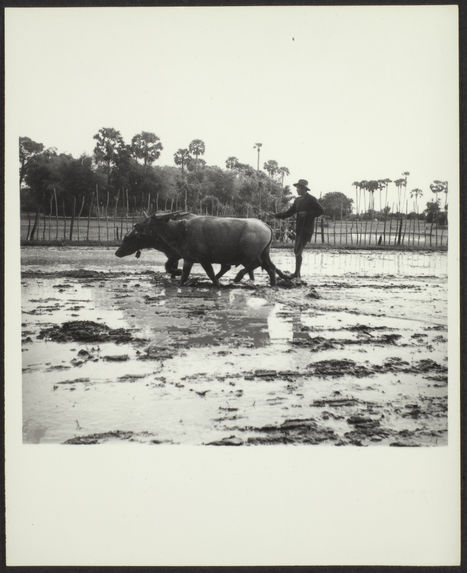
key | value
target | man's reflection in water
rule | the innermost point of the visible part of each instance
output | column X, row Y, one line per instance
column 299, row 331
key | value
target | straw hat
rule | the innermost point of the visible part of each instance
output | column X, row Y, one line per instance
column 302, row 183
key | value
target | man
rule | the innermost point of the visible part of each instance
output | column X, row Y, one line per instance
column 307, row 208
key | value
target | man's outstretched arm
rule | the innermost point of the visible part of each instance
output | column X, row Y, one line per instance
column 284, row 214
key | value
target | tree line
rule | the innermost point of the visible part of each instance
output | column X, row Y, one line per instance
column 125, row 178
column 371, row 193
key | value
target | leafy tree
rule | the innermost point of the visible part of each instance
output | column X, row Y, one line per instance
column 146, row 146
column 336, row 205
column 42, row 177
column 219, row 183
column 245, row 169
column 194, row 164
column 109, row 146
column 433, row 212
column 124, row 165
column 231, row 162
column 196, row 148
column 28, row 149
column 76, row 180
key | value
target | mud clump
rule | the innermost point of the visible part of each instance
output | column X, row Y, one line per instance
column 394, row 364
column 230, row 441
column 386, row 339
column 365, row 428
column 336, row 402
column 270, row 375
column 99, row 438
column 84, row 331
column 294, row 431
column 75, row 381
column 84, row 355
column 116, row 357
column 364, row 328
column 312, row 293
column 317, row 343
column 338, row 368
column 428, row 365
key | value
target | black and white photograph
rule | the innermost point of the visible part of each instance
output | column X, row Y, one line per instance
column 235, row 230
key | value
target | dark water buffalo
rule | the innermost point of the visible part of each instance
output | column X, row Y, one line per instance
column 220, row 240
column 143, row 236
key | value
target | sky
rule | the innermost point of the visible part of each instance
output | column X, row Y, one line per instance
column 335, row 94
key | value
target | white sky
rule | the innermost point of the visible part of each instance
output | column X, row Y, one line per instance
column 335, row 94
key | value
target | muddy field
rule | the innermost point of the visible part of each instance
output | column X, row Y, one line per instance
column 114, row 350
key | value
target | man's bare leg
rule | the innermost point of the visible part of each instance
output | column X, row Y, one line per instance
column 300, row 243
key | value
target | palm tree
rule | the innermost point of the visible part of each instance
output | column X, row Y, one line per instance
column 197, row 148
column 405, row 174
column 181, row 157
column 357, row 204
column 258, row 147
column 271, row 167
column 146, row 146
column 231, row 162
column 399, row 183
column 436, row 188
column 386, row 186
column 371, row 187
column 380, row 188
column 283, row 171
column 364, row 186
column 415, row 194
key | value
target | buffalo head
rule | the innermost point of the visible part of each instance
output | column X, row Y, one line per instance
column 145, row 234
column 138, row 238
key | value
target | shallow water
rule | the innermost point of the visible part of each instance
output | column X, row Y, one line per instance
column 239, row 364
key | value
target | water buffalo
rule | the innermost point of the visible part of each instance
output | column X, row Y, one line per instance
column 222, row 240
column 143, row 236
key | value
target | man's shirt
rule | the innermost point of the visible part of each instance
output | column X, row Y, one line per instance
column 307, row 208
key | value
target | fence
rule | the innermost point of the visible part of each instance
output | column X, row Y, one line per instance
column 354, row 233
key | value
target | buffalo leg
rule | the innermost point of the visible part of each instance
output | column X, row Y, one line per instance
column 186, row 271
column 224, row 269
column 210, row 272
column 269, row 266
column 248, row 269
column 279, row 272
column 267, row 263
column 171, row 265
column 243, row 272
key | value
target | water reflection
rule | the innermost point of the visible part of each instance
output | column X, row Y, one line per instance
column 193, row 316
